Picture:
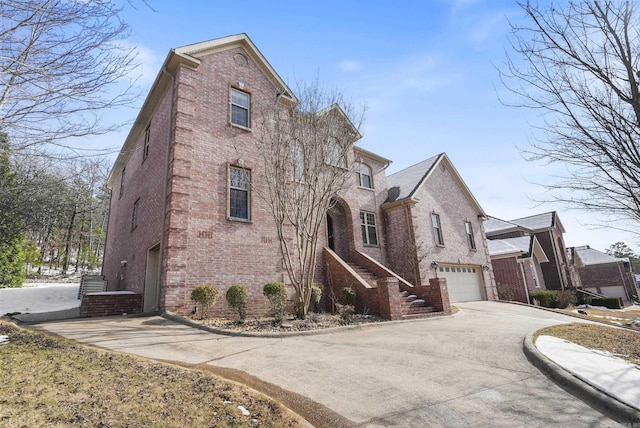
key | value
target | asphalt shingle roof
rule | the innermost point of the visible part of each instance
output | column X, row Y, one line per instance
column 403, row 183
column 499, row 247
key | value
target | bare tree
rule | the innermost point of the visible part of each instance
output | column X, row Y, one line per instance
column 578, row 64
column 62, row 64
column 304, row 149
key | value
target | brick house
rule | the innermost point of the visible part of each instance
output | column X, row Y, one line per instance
column 517, row 266
column 603, row 274
column 184, row 210
column 548, row 231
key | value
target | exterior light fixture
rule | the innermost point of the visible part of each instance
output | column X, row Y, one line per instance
column 434, row 265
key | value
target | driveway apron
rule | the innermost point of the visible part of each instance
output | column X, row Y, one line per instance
column 460, row 371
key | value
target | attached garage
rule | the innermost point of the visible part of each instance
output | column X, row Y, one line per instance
column 464, row 283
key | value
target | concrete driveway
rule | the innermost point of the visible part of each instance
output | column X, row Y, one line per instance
column 466, row 370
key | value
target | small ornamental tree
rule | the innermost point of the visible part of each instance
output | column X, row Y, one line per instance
column 276, row 292
column 206, row 296
column 238, row 298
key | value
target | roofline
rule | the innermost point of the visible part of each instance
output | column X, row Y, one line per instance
column 189, row 56
column 442, row 157
column 373, row 156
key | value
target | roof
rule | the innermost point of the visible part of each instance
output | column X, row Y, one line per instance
column 521, row 246
column 495, row 225
column 189, row 56
column 589, row 256
column 516, row 246
column 404, row 184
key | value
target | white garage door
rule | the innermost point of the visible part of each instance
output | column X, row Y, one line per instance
column 463, row 282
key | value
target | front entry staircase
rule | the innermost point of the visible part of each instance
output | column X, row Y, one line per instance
column 411, row 306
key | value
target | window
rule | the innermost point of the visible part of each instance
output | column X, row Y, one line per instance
column 239, row 108
column 469, row 229
column 297, row 160
column 239, row 183
column 363, row 174
column 122, row 181
column 135, row 219
column 147, row 137
column 334, row 154
column 437, row 229
column 368, row 224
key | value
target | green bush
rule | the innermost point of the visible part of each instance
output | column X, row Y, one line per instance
column 206, row 296
column 546, row 298
column 607, row 302
column 316, row 297
column 349, row 296
column 238, row 298
column 276, row 292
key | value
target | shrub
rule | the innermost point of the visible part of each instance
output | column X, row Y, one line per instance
column 276, row 292
column 566, row 298
column 349, row 296
column 238, row 297
column 316, row 296
column 607, row 302
column 206, row 296
column 546, row 298
column 505, row 291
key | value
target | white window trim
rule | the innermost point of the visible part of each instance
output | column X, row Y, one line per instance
column 248, row 109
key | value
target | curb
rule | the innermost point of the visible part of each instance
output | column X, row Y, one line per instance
column 593, row 396
column 284, row 334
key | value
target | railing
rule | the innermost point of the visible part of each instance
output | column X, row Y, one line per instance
column 91, row 284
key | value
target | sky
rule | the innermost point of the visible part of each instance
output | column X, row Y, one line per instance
column 425, row 69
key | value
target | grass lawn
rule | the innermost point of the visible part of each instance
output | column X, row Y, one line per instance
column 623, row 343
column 47, row 381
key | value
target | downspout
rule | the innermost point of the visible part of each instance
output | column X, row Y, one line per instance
column 524, row 280
column 166, row 187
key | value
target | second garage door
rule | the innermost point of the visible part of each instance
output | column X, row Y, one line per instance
column 463, row 282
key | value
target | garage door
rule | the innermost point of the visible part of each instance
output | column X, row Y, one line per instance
column 463, row 282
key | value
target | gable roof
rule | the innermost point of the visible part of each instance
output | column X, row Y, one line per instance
column 520, row 246
column 189, row 56
column 589, row 256
column 495, row 225
column 404, row 184
column 534, row 223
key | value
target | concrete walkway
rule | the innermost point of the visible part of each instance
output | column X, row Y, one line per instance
column 467, row 370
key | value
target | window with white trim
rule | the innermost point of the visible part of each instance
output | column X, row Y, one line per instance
column 437, row 229
column 240, row 102
column 469, row 231
column 239, row 193
column 363, row 175
column 368, row 225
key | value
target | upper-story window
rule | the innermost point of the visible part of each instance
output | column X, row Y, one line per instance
column 239, row 193
column 363, row 175
column 124, row 170
column 297, row 160
column 368, row 225
column 334, row 153
column 240, row 108
column 147, row 139
column 470, row 239
column 437, row 229
column 135, row 220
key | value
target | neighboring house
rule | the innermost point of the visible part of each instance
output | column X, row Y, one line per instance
column 548, row 230
column 517, row 266
column 184, row 208
column 603, row 274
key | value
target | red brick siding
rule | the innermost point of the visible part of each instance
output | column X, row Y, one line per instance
column 105, row 304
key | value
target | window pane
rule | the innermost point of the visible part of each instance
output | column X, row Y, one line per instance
column 364, row 233
column 366, row 182
column 373, row 236
column 240, row 99
column 239, row 204
column 240, row 178
column 240, row 116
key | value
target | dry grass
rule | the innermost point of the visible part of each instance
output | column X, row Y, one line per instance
column 52, row 382
column 620, row 342
column 618, row 317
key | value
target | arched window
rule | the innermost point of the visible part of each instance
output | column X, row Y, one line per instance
column 363, row 175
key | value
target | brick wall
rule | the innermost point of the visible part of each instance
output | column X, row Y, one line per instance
column 110, row 303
